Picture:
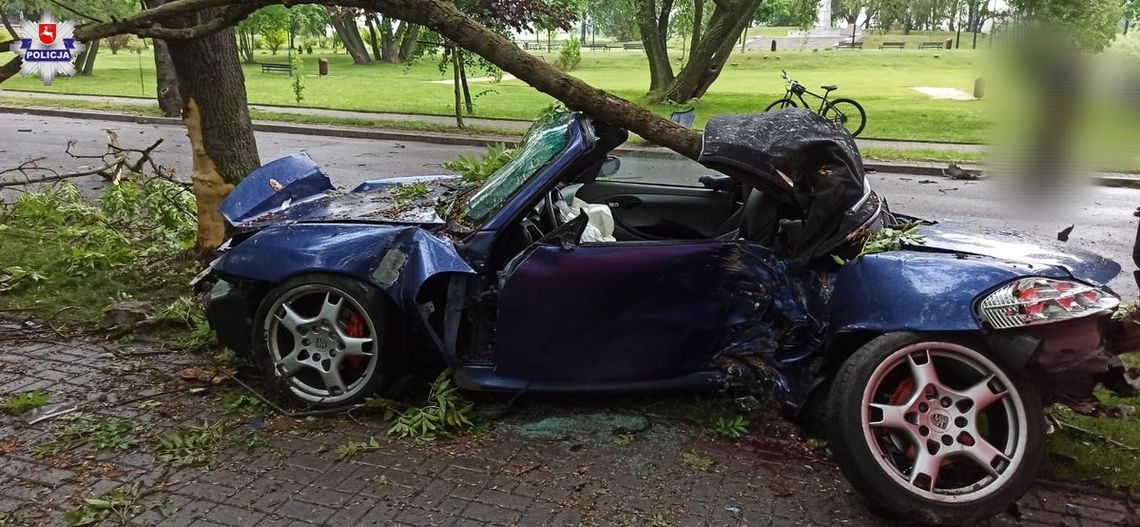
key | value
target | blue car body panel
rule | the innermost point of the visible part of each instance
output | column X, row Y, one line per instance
column 398, row 259
column 280, row 183
column 625, row 316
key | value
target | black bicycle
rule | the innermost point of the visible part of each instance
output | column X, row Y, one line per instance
column 844, row 112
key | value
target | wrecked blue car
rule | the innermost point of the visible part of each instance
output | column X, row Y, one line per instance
column 924, row 350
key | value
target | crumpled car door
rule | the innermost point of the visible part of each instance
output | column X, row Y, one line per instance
column 636, row 311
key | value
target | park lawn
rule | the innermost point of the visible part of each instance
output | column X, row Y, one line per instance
column 880, row 80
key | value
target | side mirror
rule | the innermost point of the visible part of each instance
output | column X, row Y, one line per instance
column 609, row 167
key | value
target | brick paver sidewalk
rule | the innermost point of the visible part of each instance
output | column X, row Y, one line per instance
column 518, row 474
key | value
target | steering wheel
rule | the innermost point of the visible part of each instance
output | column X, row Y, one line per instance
column 549, row 212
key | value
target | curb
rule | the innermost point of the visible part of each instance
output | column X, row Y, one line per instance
column 355, row 132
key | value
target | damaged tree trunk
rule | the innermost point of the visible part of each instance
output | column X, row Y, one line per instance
column 216, row 114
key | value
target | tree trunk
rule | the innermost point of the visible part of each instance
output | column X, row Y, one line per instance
column 217, row 121
column 409, row 40
column 89, row 57
column 463, row 81
column 660, row 70
column 698, row 24
column 373, row 39
column 456, row 81
column 708, row 58
column 349, row 34
column 245, row 46
column 7, row 25
column 169, row 98
column 389, row 42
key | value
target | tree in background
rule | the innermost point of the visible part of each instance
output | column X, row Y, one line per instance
column 614, row 18
column 267, row 21
column 794, row 13
column 79, row 11
column 1093, row 23
column 274, row 39
column 343, row 20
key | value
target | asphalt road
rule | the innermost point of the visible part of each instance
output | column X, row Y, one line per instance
column 1102, row 217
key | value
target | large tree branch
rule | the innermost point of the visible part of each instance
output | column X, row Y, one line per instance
column 10, row 69
column 445, row 18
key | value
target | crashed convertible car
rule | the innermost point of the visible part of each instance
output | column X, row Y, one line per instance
column 928, row 365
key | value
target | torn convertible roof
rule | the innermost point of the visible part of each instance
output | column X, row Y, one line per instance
column 798, row 158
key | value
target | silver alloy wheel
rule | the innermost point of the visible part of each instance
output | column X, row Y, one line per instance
column 309, row 338
column 956, row 439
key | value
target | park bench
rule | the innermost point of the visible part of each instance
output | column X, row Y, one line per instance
column 892, row 45
column 932, row 45
column 276, row 68
column 603, row 47
column 847, row 44
column 633, row 45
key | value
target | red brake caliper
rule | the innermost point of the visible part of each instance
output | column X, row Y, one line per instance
column 355, row 328
column 900, row 395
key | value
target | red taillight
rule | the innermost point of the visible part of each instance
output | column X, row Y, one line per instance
column 1038, row 300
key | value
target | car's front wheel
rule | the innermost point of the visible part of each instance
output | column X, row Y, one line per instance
column 933, row 430
column 322, row 337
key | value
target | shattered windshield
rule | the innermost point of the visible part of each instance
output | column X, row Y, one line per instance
column 545, row 141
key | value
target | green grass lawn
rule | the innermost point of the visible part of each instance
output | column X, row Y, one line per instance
column 750, row 82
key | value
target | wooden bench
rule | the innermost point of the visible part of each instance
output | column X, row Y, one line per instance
column 603, row 47
column 276, row 68
column 847, row 44
column 892, row 45
column 932, row 45
column 633, row 45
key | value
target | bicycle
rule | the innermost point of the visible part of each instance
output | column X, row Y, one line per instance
column 844, row 112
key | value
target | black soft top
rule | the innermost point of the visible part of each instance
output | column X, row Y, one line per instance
column 800, row 159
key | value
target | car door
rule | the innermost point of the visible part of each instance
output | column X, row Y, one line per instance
column 657, row 196
column 630, row 311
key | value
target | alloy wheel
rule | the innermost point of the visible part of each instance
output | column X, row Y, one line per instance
column 323, row 342
column 944, row 421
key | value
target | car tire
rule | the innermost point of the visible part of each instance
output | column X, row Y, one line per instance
column 920, row 450
column 323, row 339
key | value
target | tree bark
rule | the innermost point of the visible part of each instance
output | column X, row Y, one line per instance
column 373, row 39
column 89, row 56
column 660, row 69
column 709, row 56
column 349, row 34
column 455, row 77
column 7, row 25
column 463, row 81
column 698, row 25
column 169, row 98
column 389, row 41
column 216, row 114
column 409, row 35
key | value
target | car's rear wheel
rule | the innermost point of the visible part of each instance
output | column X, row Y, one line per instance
column 322, row 337
column 933, row 429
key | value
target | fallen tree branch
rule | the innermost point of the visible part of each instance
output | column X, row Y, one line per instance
column 11, row 68
column 53, row 178
column 1096, row 436
column 74, row 11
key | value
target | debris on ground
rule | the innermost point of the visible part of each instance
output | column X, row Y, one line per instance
column 125, row 314
column 44, row 413
column 953, row 171
column 600, row 427
column 1063, row 236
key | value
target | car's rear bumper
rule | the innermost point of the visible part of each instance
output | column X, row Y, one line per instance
column 1065, row 360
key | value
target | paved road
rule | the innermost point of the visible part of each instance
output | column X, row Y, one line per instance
column 443, row 120
column 1102, row 216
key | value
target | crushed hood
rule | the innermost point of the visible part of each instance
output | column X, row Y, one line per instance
column 1018, row 247
column 293, row 189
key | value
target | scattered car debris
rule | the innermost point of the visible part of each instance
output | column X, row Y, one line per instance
column 733, row 510
column 44, row 413
column 945, row 190
column 956, row 172
column 1064, row 234
column 927, row 182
